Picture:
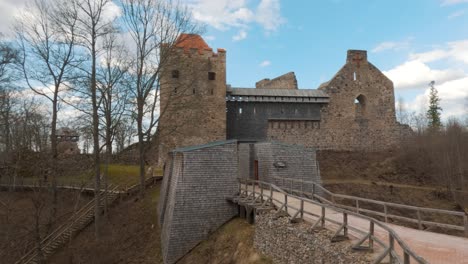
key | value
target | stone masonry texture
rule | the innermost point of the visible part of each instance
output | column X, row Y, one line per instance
column 286, row 81
column 359, row 116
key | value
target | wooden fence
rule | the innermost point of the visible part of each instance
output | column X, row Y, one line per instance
column 254, row 190
column 415, row 215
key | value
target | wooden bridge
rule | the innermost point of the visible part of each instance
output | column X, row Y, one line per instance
column 390, row 243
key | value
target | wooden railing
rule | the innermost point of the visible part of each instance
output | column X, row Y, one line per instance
column 265, row 192
column 68, row 226
column 317, row 191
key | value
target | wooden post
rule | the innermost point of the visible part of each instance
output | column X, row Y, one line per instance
column 392, row 248
column 406, row 258
column 371, row 235
column 271, row 194
column 345, row 224
column 419, row 220
column 261, row 192
column 253, row 190
column 357, row 206
column 286, row 202
column 465, row 220
column 385, row 213
column 313, row 191
column 302, row 209
column 323, row 216
column 291, row 188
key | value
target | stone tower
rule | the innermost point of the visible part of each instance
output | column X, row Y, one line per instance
column 193, row 95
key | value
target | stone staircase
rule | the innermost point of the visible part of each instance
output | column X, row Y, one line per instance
column 63, row 234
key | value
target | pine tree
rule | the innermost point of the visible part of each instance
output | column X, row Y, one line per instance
column 433, row 113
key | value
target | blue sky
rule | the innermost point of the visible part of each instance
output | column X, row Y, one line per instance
column 413, row 42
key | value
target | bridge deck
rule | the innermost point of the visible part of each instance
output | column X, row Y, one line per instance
column 434, row 247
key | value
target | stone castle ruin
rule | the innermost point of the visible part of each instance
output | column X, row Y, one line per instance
column 355, row 110
column 210, row 133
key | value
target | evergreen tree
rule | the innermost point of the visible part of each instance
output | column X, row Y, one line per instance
column 433, row 113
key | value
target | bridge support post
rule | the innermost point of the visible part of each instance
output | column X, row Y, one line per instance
column 242, row 211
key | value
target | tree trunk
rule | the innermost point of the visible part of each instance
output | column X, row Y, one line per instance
column 97, row 169
column 141, row 147
column 53, row 169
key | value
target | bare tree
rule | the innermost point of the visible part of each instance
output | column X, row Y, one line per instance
column 152, row 24
column 124, row 133
column 47, row 58
column 112, row 87
column 8, row 57
column 92, row 26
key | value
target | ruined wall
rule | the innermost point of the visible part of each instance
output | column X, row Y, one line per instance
column 286, row 81
column 360, row 115
column 193, row 196
column 193, row 92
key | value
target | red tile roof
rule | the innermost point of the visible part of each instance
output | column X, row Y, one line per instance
column 191, row 41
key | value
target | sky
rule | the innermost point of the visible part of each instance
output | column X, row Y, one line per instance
column 412, row 42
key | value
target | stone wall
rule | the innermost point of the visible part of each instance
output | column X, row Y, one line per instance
column 359, row 116
column 193, row 97
column 193, row 199
column 286, row 81
column 286, row 242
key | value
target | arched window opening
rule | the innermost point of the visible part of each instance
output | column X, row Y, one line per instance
column 360, row 105
column 354, row 76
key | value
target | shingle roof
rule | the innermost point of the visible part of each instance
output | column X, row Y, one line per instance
column 277, row 92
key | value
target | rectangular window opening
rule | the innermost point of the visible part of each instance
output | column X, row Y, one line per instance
column 211, row 76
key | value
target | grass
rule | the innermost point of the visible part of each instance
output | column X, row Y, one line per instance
column 119, row 174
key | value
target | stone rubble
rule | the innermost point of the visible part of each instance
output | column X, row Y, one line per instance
column 292, row 243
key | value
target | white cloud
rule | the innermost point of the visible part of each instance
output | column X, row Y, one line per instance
column 265, row 63
column 269, row 14
column 8, row 10
column 453, row 97
column 452, row 2
column 451, row 81
column 416, row 74
column 392, row 45
column 240, row 36
column 456, row 14
column 239, row 14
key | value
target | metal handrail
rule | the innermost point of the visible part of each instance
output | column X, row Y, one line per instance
column 389, row 249
column 386, row 205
